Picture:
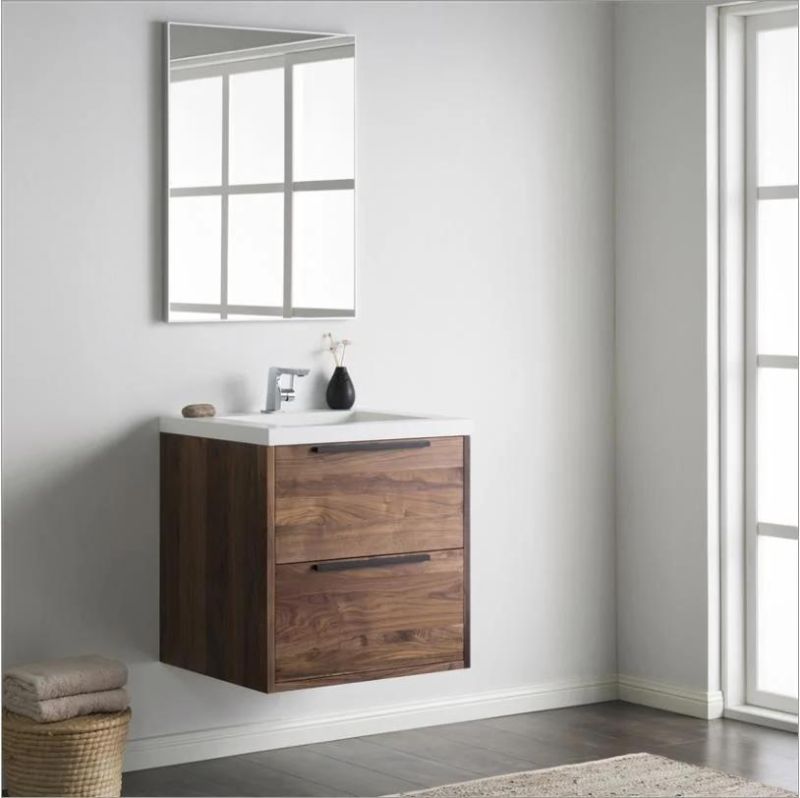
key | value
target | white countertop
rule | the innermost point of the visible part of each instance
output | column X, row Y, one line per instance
column 285, row 428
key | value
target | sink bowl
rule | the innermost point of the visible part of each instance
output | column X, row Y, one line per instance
column 314, row 418
column 286, row 428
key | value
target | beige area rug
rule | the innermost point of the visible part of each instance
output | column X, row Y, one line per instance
column 633, row 775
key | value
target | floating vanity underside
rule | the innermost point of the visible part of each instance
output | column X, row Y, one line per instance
column 305, row 565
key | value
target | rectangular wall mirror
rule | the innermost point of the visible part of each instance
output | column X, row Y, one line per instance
column 260, row 174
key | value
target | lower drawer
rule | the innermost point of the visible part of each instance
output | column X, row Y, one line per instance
column 368, row 614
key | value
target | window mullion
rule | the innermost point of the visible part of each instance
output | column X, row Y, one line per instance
column 777, row 361
column 288, row 170
column 785, row 531
column 223, row 294
column 776, row 192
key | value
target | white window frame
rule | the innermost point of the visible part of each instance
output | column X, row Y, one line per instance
column 284, row 57
column 739, row 361
column 753, row 360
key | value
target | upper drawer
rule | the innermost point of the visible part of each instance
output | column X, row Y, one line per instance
column 332, row 502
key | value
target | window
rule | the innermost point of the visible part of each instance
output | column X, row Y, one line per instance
column 771, row 360
column 758, row 357
column 261, row 186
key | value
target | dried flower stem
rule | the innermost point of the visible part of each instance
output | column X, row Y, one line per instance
column 337, row 348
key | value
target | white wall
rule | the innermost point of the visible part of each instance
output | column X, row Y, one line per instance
column 485, row 163
column 666, row 538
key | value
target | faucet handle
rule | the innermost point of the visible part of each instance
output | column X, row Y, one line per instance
column 293, row 372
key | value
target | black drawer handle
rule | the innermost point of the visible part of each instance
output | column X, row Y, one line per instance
column 369, row 562
column 369, row 446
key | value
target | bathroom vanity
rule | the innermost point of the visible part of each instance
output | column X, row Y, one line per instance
column 309, row 549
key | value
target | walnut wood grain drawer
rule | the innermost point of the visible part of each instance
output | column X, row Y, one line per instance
column 384, row 497
column 345, row 620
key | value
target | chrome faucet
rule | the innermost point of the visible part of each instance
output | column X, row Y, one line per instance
column 276, row 394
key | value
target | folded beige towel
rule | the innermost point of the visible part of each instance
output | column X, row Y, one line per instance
column 57, row 678
column 52, row 709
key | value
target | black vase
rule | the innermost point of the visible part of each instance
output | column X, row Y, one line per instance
column 340, row 394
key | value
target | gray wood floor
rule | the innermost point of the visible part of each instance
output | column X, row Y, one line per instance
column 409, row 760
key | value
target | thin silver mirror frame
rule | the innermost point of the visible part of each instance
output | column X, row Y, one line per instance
column 297, row 314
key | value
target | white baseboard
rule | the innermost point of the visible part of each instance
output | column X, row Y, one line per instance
column 696, row 703
column 174, row 749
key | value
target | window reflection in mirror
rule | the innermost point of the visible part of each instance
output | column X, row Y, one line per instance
column 261, row 174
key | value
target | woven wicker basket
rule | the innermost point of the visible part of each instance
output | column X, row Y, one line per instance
column 81, row 756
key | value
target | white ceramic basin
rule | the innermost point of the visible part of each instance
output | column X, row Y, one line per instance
column 285, row 427
column 314, row 418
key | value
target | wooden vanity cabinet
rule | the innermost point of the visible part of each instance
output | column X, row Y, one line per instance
column 299, row 566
